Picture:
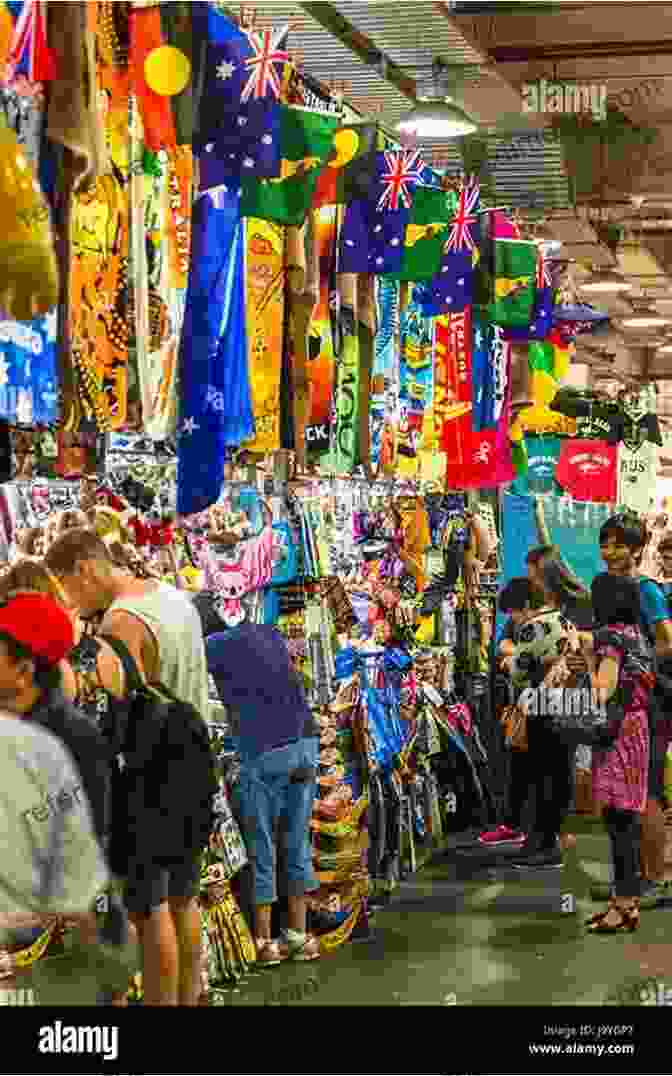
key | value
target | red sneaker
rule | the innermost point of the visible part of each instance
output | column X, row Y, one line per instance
column 501, row 835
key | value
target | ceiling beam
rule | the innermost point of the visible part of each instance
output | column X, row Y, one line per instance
column 520, row 54
column 361, row 45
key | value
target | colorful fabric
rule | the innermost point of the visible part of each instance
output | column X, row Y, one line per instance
column 321, row 339
column 306, row 140
column 637, row 476
column 454, row 341
column 483, row 378
column 384, row 360
column 543, row 454
column 426, row 234
column 541, row 324
column 238, row 133
column 588, row 471
column 621, row 775
column 351, row 171
column 265, row 291
column 416, row 386
column 515, row 279
column 146, row 34
column 28, row 372
column 345, row 447
column 374, row 229
column 453, row 289
column 215, row 396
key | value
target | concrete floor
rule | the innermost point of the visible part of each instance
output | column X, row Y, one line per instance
column 457, row 934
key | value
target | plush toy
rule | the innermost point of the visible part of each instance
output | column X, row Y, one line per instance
column 231, row 584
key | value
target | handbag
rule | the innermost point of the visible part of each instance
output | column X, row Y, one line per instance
column 514, row 722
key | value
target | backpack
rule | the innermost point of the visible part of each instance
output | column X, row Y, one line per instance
column 165, row 779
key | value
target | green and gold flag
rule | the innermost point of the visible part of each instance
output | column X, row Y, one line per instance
column 307, row 141
column 515, row 283
column 427, row 233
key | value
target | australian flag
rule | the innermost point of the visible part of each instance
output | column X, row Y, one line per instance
column 238, row 130
column 374, row 229
column 542, row 322
column 452, row 291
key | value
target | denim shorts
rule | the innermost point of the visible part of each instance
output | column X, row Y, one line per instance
column 273, row 807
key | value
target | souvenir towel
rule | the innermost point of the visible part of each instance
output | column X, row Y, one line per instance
column 515, row 283
column 265, row 302
column 384, row 361
column 321, row 337
column 415, row 388
column 345, row 447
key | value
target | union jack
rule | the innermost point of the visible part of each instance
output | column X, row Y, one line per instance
column 544, row 274
column 30, row 33
column 461, row 238
column 264, row 79
column 403, row 169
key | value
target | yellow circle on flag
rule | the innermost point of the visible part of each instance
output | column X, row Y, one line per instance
column 167, row 71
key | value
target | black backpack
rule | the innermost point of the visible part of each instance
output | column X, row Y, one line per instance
column 165, row 778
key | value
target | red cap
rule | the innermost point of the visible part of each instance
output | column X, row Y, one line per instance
column 40, row 624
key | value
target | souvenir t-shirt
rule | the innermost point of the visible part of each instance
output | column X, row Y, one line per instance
column 587, row 470
column 634, row 427
column 637, row 474
column 543, row 456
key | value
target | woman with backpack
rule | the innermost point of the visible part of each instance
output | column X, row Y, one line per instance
column 622, row 674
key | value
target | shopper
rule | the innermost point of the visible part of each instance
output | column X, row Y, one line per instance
column 623, row 539
column 665, row 560
column 545, row 566
column 515, row 602
column 279, row 751
column 51, row 863
column 623, row 660
column 162, row 632
column 36, row 635
column 541, row 644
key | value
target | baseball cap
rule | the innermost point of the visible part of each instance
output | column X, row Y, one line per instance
column 39, row 623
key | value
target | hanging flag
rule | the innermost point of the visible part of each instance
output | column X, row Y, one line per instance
column 238, row 127
column 306, row 141
column 146, row 35
column 426, row 234
column 374, row 229
column 215, row 397
column 541, row 324
column 452, row 288
column 515, row 283
column 29, row 46
column 351, row 171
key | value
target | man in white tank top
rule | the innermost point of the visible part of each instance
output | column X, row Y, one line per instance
column 162, row 630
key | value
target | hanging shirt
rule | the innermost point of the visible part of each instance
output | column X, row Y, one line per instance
column 587, row 470
column 635, row 429
column 638, row 471
column 543, row 456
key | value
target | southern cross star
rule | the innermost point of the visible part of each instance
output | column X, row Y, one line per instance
column 190, row 426
column 225, row 70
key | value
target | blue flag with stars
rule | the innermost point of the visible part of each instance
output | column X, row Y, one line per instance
column 452, row 289
column 374, row 229
column 215, row 396
column 238, row 128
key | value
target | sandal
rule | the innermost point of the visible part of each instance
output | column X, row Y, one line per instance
column 269, row 954
column 628, row 925
column 304, row 953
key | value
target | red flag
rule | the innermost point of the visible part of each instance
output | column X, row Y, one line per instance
column 156, row 111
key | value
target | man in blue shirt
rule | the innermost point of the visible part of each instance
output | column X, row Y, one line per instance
column 622, row 542
column 279, row 754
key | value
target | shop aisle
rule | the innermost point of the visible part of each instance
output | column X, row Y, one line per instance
column 492, row 941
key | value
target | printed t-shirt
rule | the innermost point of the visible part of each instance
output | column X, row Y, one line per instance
column 51, row 861
column 587, row 470
column 637, row 475
column 543, row 457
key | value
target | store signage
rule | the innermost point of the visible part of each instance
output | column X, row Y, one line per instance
column 565, row 99
column 318, row 436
